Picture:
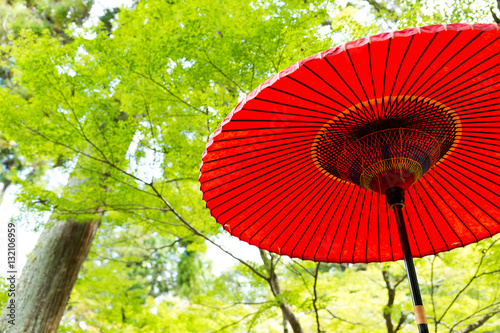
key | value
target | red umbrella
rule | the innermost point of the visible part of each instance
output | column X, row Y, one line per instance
column 301, row 166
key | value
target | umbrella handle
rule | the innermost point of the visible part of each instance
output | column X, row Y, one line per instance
column 395, row 199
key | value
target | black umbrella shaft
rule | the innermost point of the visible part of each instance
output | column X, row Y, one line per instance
column 410, row 267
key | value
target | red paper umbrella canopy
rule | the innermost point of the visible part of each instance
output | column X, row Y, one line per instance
column 300, row 165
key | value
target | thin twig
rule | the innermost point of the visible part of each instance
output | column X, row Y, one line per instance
column 342, row 319
column 315, row 297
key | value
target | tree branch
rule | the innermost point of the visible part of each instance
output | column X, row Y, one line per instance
column 342, row 319
column 198, row 233
column 474, row 277
column 475, row 314
column 402, row 319
column 315, row 296
column 479, row 323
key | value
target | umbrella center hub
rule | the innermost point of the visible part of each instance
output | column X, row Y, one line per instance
column 389, row 158
column 386, row 143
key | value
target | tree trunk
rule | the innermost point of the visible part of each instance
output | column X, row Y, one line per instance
column 286, row 309
column 51, row 272
column 391, row 296
column 291, row 318
column 5, row 185
column 47, row 280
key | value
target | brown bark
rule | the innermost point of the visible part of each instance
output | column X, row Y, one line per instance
column 51, row 271
column 5, row 185
column 50, row 274
column 286, row 309
column 391, row 295
column 475, row 325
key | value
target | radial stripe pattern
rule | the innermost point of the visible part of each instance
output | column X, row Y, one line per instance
column 260, row 174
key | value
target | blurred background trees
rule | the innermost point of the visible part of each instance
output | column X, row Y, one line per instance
column 126, row 107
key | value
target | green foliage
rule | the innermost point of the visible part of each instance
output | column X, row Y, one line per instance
column 128, row 111
column 401, row 14
column 41, row 15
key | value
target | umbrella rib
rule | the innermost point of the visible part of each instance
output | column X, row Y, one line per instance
column 347, row 85
column 427, row 120
column 422, row 108
column 462, row 113
column 277, row 121
column 477, row 137
column 453, row 94
column 357, row 228
column 349, row 224
column 308, row 142
column 466, row 120
column 432, row 61
column 332, row 87
column 308, row 178
column 430, row 217
column 437, row 208
column 422, row 223
column 307, row 100
column 323, row 189
column 290, row 114
column 482, row 161
column 274, row 164
column 357, row 112
column 397, row 73
column 316, row 91
column 468, row 138
column 476, row 146
column 293, row 106
column 482, row 122
column 414, row 66
column 296, row 168
column 300, row 164
column 461, row 204
column 260, row 135
column 443, row 65
column 264, row 128
column 309, row 185
column 475, row 97
column 300, row 149
column 374, row 116
column 447, row 205
column 368, row 226
column 371, row 77
column 456, row 67
column 265, row 141
column 264, row 148
column 342, row 119
column 329, row 222
column 335, row 133
column 480, row 185
column 474, row 165
column 314, row 218
column 284, row 152
column 382, row 113
column 340, row 220
column 452, row 105
column 468, row 79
